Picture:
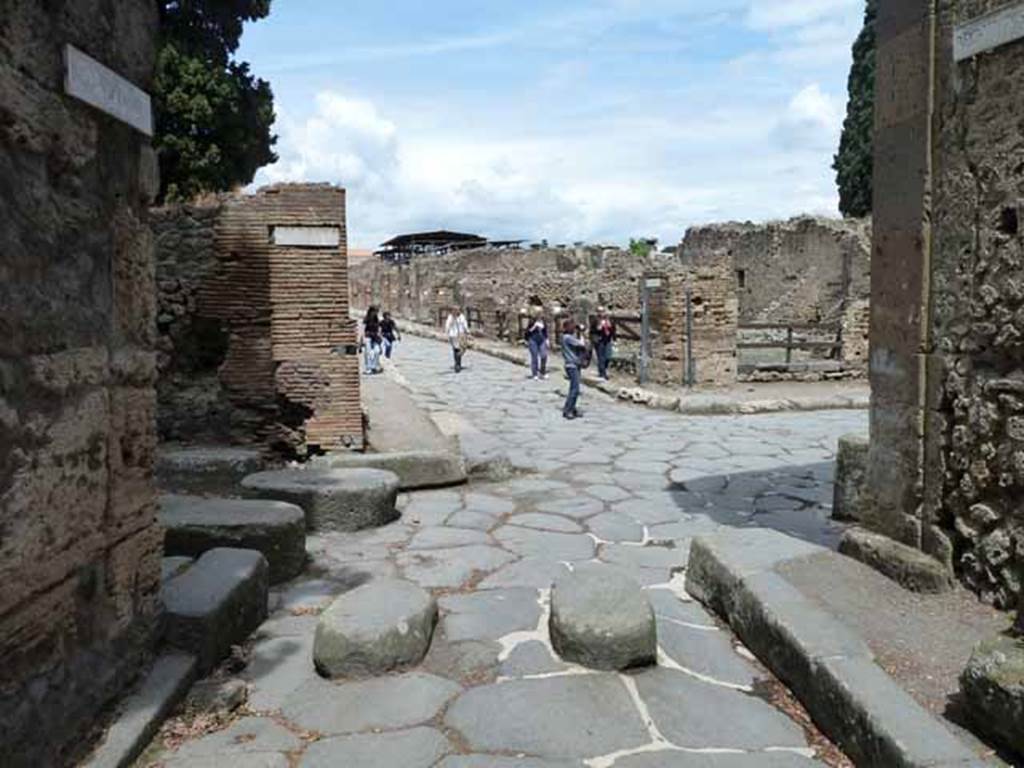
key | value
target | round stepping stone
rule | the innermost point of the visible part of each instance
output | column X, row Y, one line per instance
column 602, row 619
column 374, row 629
column 333, row 499
column 194, row 525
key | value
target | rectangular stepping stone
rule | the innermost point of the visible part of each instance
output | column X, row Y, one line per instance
column 216, row 603
column 194, row 525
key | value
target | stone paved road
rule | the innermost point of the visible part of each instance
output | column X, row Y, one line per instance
column 625, row 486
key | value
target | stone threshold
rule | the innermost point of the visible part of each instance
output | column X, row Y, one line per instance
column 828, row 666
column 702, row 403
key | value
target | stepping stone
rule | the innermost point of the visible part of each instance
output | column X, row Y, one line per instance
column 205, row 469
column 194, row 525
column 415, row 469
column 333, row 499
column 993, row 685
column 216, row 603
column 374, row 629
column 602, row 619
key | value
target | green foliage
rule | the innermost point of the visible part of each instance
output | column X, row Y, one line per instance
column 854, row 161
column 213, row 117
column 642, row 247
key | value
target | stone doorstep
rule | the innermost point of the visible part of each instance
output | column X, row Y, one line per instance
column 216, row 603
column 142, row 712
column 827, row 665
column 689, row 405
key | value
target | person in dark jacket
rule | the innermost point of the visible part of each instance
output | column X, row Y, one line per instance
column 574, row 348
column 389, row 334
column 602, row 337
column 538, row 341
column 372, row 340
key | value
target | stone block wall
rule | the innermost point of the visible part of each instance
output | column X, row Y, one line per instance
column 256, row 342
column 79, row 545
column 946, row 463
column 806, row 270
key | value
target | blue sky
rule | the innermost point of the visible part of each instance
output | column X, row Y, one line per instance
column 568, row 120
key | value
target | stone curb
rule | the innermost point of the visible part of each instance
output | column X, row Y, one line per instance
column 827, row 665
column 142, row 713
column 702, row 406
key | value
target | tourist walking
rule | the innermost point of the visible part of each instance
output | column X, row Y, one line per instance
column 574, row 351
column 538, row 341
column 390, row 334
column 602, row 337
column 456, row 328
column 371, row 342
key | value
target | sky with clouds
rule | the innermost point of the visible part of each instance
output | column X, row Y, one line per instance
column 567, row 120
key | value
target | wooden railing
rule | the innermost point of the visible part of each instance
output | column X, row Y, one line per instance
column 833, row 348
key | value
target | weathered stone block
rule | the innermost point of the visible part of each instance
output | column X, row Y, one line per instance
column 375, row 629
column 415, row 469
column 851, row 469
column 905, row 565
column 601, row 618
column 993, row 684
column 216, row 603
column 205, row 469
column 194, row 525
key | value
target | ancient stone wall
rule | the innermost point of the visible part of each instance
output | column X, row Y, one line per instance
column 946, row 464
column 256, row 343
column 805, row 270
column 79, row 545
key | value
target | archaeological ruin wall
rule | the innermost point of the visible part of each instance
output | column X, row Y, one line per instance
column 807, row 271
column 79, row 545
column 946, row 462
column 256, row 345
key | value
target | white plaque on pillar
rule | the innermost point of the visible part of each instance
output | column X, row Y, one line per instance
column 988, row 32
column 306, row 237
column 101, row 87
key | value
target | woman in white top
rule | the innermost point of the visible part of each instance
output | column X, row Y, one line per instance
column 457, row 330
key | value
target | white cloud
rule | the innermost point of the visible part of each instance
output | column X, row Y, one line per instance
column 813, row 120
column 781, row 14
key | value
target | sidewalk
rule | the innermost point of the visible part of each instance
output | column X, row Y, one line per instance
column 774, row 397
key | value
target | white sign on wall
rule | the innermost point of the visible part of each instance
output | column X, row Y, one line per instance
column 101, row 87
column 988, row 32
column 306, row 237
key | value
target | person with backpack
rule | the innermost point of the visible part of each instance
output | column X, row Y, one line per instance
column 575, row 355
column 602, row 337
column 538, row 342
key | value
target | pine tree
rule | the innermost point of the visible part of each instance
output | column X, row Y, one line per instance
column 213, row 118
column 853, row 163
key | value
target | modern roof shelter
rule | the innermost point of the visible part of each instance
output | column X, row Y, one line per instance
column 401, row 249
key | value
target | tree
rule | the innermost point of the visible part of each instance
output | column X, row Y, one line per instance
column 853, row 163
column 213, row 118
column 643, row 247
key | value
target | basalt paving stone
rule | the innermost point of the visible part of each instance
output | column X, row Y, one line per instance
column 451, row 568
column 277, row 668
column 492, row 761
column 542, row 522
column 488, row 505
column 531, row 658
column 305, row 595
column 489, row 614
column 472, row 662
column 575, row 716
column 607, row 492
column 650, row 509
column 615, row 527
column 691, row 713
column 250, row 735
column 553, row 546
column 528, row 486
column 529, row 572
column 576, row 507
column 443, row 537
column 639, row 482
column 706, row 652
column 286, row 624
column 474, row 520
column 648, row 556
column 667, row 604
column 245, row 760
column 415, row 748
column 385, row 703
column 676, row 759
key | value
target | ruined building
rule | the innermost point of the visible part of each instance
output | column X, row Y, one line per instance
column 946, row 462
column 255, row 342
column 79, row 545
column 809, row 271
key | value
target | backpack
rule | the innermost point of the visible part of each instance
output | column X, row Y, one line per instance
column 586, row 357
